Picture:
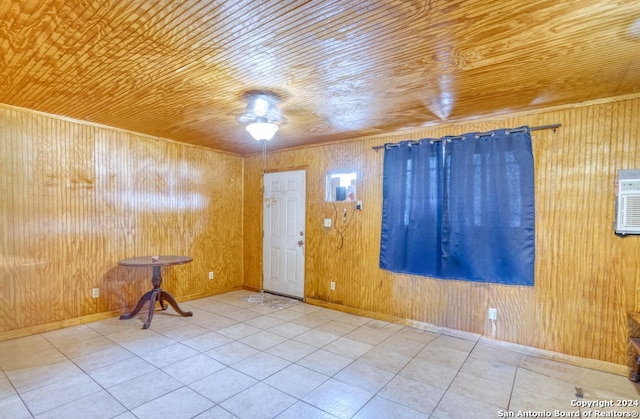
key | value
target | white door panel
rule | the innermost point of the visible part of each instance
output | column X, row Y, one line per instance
column 284, row 232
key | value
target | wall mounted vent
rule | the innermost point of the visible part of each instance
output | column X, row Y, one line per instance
column 627, row 217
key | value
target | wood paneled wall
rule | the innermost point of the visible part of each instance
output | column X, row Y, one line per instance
column 587, row 278
column 75, row 198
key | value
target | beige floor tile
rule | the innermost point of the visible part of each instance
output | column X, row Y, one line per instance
column 311, row 320
column 216, row 412
column 455, row 406
column 538, row 383
column 336, row 328
column 244, row 315
column 109, row 355
column 263, row 340
column 232, row 353
column 261, row 365
column 223, row 384
column 169, row 355
column 6, row 388
column 23, row 347
column 288, row 330
column 381, row 408
column 192, row 369
column 184, row 332
column 305, row 308
column 207, row 341
column 258, row 401
column 213, row 322
column 58, row 393
column 143, row 389
column 238, row 331
column 100, row 405
column 73, row 334
column 348, row 348
column 90, row 345
column 416, row 335
column 292, row 350
column 348, row 318
column 366, row 335
column 432, row 373
column 338, row 398
column 524, row 400
column 304, row 410
column 182, row 403
column 385, row 359
column 264, row 322
column 114, row 326
column 33, row 360
column 450, row 342
column 13, row 407
column 325, row 362
column 120, row 372
column 491, row 369
column 316, row 338
column 287, row 315
column 447, row 357
column 413, row 394
column 31, row 378
column 495, row 351
column 400, row 344
column 479, row 387
column 296, row 381
column 366, row 377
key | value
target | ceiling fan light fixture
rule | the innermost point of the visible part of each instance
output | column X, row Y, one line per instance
column 262, row 131
column 262, row 117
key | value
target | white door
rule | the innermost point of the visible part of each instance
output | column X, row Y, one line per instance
column 284, row 233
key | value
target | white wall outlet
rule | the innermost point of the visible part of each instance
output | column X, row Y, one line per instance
column 211, row 275
column 359, row 205
column 95, row 293
column 332, row 286
column 327, row 222
column 493, row 314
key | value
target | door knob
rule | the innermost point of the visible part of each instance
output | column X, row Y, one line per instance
column 300, row 243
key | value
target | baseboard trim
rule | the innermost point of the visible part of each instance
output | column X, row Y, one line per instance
column 594, row 364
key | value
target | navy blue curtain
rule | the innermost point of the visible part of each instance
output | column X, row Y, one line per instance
column 460, row 208
column 412, row 208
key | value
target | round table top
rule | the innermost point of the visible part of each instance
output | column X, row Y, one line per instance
column 162, row 261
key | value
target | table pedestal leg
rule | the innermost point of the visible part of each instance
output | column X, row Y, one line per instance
column 156, row 294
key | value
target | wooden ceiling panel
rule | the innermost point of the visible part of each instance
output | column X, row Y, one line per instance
column 179, row 70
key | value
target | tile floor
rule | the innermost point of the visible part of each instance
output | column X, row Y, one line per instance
column 235, row 358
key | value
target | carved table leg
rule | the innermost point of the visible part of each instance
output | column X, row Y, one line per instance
column 634, row 375
column 146, row 297
column 169, row 298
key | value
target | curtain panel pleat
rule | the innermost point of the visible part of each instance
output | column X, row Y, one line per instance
column 461, row 209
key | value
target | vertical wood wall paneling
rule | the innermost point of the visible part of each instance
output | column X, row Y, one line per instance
column 586, row 277
column 78, row 197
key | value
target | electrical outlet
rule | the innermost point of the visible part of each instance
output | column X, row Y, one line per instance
column 211, row 275
column 95, row 293
column 327, row 222
column 359, row 205
column 332, row 286
column 493, row 314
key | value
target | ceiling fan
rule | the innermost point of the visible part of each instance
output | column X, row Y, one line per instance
column 262, row 116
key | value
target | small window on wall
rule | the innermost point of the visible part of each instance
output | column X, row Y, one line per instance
column 341, row 187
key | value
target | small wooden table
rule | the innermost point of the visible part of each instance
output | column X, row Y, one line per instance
column 157, row 293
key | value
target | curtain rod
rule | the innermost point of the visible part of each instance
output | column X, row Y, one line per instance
column 538, row 128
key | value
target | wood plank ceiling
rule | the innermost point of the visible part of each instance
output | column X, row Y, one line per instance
column 343, row 69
